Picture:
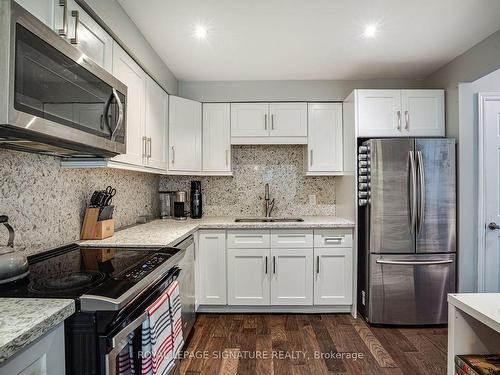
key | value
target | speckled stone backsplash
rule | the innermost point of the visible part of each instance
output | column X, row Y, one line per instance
column 254, row 166
column 45, row 203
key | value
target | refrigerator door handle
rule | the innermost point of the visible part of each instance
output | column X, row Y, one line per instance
column 413, row 202
column 421, row 175
column 414, row 263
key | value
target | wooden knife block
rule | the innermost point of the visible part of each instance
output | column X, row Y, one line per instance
column 96, row 230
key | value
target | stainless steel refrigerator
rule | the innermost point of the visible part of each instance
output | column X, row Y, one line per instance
column 407, row 230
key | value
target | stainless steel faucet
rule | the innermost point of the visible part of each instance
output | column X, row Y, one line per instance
column 269, row 202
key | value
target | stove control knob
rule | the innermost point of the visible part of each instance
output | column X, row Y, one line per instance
column 363, row 149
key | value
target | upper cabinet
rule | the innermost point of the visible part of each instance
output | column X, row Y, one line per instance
column 324, row 141
column 400, row 113
column 216, row 135
column 269, row 123
column 71, row 22
column 156, row 130
column 184, row 135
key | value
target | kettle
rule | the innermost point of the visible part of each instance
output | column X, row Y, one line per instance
column 13, row 264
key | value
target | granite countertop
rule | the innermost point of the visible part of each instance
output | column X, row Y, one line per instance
column 23, row 320
column 169, row 232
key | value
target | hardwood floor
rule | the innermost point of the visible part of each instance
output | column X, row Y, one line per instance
column 310, row 344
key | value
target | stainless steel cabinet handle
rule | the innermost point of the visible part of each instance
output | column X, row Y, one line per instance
column 76, row 14
column 266, row 265
column 272, row 121
column 407, row 120
column 149, row 147
column 265, row 121
column 64, row 30
column 311, row 157
column 274, row 264
column 173, row 154
column 414, row 263
column 119, row 122
column 421, row 174
column 399, row 120
column 413, row 202
column 333, row 239
column 144, row 147
column 227, row 157
column 317, row 264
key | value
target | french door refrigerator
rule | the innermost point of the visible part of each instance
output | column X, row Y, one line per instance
column 407, row 230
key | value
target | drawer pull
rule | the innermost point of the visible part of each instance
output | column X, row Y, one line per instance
column 333, row 239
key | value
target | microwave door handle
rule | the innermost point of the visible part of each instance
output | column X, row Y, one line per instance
column 119, row 122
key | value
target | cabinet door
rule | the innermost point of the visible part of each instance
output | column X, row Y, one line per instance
column 127, row 71
column 47, row 11
column 184, row 134
column 90, row 38
column 216, row 137
column 211, row 259
column 248, row 276
column 249, row 119
column 379, row 113
column 156, row 125
column 288, row 119
column 333, row 276
column 423, row 113
column 292, row 279
column 324, row 141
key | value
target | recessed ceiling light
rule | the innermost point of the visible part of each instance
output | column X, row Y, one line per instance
column 200, row 32
column 370, row 31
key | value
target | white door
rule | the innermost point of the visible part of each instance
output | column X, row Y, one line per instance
column 379, row 113
column 184, row 134
column 131, row 74
column 249, row 119
column 423, row 113
column 288, row 119
column 324, row 141
column 489, row 253
column 292, row 278
column 47, row 11
column 248, row 276
column 90, row 38
column 216, row 137
column 333, row 276
column 156, row 125
column 211, row 259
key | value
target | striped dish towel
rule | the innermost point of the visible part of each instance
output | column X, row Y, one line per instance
column 126, row 359
column 175, row 312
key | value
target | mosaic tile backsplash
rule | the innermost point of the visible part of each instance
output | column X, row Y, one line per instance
column 254, row 166
column 45, row 203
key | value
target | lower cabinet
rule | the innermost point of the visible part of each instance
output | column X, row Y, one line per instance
column 212, row 267
column 333, row 276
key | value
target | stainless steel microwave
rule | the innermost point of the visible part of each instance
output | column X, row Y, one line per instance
column 53, row 98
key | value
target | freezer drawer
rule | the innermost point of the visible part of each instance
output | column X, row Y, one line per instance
column 410, row 289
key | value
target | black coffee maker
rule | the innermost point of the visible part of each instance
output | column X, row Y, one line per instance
column 196, row 200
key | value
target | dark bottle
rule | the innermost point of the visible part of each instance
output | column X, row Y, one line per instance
column 196, row 200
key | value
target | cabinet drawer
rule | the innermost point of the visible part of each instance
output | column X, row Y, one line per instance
column 333, row 237
column 248, row 239
column 289, row 238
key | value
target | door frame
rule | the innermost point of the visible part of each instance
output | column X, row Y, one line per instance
column 481, row 193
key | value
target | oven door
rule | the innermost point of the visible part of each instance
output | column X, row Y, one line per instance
column 59, row 94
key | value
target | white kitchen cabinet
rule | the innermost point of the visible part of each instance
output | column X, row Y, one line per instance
column 50, row 12
column 333, row 276
column 288, row 119
column 156, row 126
column 248, row 276
column 249, row 239
column 211, row 259
column 90, row 38
column 216, row 135
column 268, row 123
column 131, row 74
column 184, row 135
column 423, row 112
column 291, row 279
column 400, row 113
column 325, row 139
column 43, row 357
column 249, row 119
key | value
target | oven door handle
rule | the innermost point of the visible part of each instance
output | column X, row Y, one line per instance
column 120, row 340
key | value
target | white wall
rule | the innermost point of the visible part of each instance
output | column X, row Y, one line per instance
column 130, row 38
column 233, row 91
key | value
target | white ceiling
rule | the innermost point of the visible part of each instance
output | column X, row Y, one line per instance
column 311, row 39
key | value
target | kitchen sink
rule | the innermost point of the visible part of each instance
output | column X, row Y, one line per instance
column 269, row 220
